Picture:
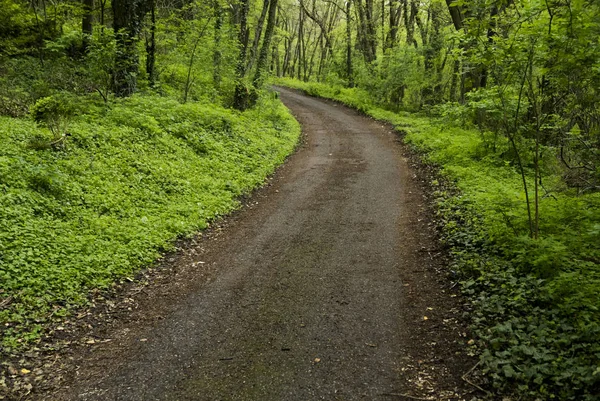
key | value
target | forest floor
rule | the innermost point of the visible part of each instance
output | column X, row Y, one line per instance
column 329, row 284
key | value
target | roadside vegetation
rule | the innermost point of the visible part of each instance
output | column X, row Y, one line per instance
column 502, row 96
column 535, row 300
column 127, row 123
column 101, row 170
column 126, row 182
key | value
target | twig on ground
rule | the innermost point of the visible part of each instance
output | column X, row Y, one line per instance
column 412, row 397
column 6, row 302
column 465, row 378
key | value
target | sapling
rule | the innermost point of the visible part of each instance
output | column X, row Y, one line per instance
column 55, row 112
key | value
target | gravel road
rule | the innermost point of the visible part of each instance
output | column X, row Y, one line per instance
column 330, row 286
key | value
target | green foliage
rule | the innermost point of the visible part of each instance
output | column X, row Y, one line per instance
column 535, row 302
column 353, row 97
column 55, row 112
column 400, row 81
column 16, row 28
column 187, row 46
column 135, row 177
column 100, row 58
column 137, row 173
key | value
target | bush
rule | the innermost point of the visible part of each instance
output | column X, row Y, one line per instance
column 55, row 112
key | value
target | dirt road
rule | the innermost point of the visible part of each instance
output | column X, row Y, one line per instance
column 325, row 289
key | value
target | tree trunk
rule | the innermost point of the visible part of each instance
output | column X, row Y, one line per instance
column 217, row 55
column 102, row 14
column 321, row 22
column 242, row 93
column 88, row 17
column 349, row 71
column 151, row 46
column 127, row 22
column 432, row 43
column 409, row 22
column 300, row 43
column 365, row 29
column 371, row 30
column 390, row 40
column 264, row 51
column 454, row 80
column 257, row 34
column 276, row 60
column 456, row 14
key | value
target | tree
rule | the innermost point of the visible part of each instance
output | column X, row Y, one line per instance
column 217, row 54
column 151, row 46
column 128, row 16
column 264, row 51
column 88, row 17
column 243, row 93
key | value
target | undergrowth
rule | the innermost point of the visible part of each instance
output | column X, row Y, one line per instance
column 535, row 302
column 128, row 180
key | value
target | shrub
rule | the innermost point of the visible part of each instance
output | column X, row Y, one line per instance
column 55, row 112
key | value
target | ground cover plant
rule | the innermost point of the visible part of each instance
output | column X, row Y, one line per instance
column 123, row 125
column 98, row 96
column 127, row 182
column 535, row 301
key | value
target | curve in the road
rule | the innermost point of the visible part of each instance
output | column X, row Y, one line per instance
column 324, row 291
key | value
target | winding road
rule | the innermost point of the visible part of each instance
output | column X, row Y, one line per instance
column 329, row 287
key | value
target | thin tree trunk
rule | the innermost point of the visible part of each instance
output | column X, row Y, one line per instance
column 151, row 46
column 321, row 59
column 322, row 23
column 264, row 51
column 454, row 80
column 382, row 26
column 312, row 59
column 41, row 30
column 217, row 55
column 258, row 34
column 188, row 81
column 349, row 71
column 277, row 61
column 300, row 42
column 102, row 14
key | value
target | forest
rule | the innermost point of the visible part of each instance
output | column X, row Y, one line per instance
column 126, row 124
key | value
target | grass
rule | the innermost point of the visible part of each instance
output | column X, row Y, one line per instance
column 535, row 302
column 131, row 179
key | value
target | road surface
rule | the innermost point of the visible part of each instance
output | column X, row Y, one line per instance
column 327, row 288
